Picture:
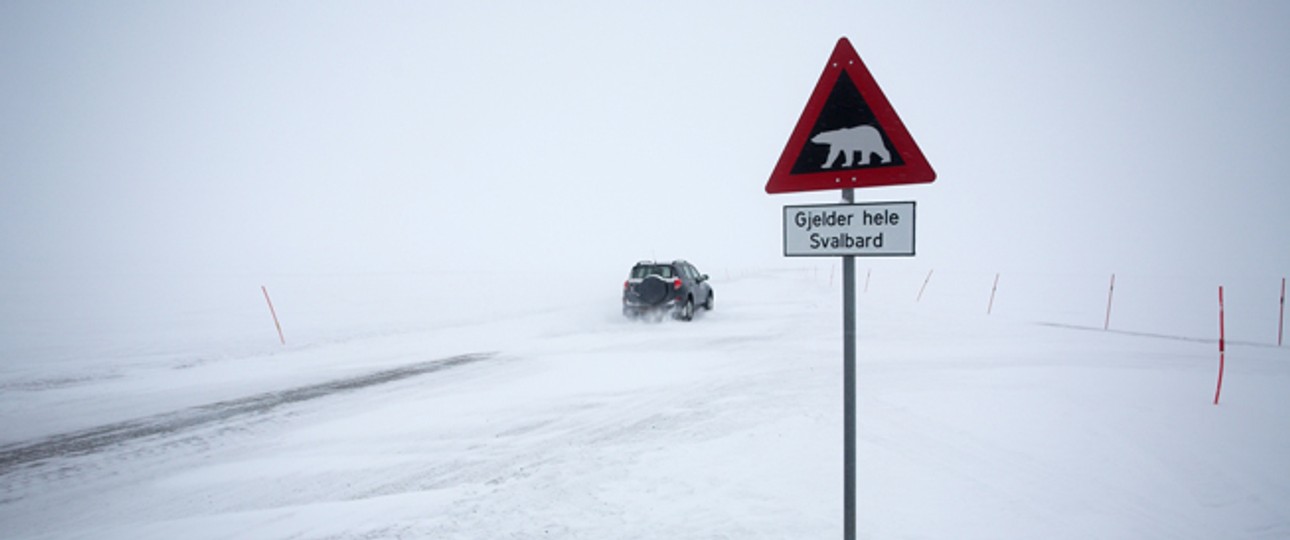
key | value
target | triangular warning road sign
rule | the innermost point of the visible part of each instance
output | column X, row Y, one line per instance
column 848, row 136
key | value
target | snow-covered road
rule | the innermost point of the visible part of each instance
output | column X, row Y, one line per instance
column 570, row 422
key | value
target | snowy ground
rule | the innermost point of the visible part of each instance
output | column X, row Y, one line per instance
column 553, row 417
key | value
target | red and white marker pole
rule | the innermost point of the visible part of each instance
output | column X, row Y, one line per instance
column 1222, row 345
column 274, row 313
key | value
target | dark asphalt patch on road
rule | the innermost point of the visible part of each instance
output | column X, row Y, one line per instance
column 90, row 440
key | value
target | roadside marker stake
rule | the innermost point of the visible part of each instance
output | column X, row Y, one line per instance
column 1281, row 321
column 924, row 287
column 1109, row 294
column 1222, row 338
column 990, row 308
column 274, row 313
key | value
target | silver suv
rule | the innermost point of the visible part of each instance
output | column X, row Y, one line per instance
column 656, row 289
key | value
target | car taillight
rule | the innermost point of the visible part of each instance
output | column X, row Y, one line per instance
column 626, row 284
column 676, row 284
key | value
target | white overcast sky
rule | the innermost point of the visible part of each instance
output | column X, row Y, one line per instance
column 332, row 137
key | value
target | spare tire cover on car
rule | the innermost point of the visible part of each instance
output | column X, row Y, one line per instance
column 652, row 289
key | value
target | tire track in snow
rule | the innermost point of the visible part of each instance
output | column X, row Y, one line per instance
column 88, row 441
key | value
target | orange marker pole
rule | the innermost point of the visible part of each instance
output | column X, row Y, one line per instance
column 1222, row 339
column 274, row 313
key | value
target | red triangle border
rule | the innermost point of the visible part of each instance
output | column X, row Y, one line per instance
column 915, row 170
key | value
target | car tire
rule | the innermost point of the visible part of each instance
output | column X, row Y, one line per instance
column 707, row 304
column 687, row 310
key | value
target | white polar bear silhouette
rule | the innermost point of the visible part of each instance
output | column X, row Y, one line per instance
column 847, row 141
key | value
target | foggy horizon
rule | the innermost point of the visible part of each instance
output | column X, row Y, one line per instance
column 257, row 139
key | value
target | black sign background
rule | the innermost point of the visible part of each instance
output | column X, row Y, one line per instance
column 845, row 108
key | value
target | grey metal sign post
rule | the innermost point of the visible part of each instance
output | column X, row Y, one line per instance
column 849, row 386
column 849, row 230
column 848, row 137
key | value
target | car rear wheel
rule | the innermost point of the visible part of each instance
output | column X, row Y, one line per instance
column 687, row 310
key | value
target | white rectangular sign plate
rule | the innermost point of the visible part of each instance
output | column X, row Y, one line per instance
column 863, row 230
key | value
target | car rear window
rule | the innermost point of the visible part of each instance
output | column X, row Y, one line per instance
column 663, row 270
